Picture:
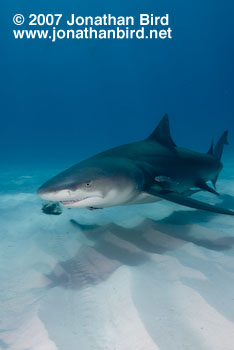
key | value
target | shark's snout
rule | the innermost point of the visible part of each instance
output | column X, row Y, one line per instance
column 42, row 192
column 53, row 194
column 45, row 190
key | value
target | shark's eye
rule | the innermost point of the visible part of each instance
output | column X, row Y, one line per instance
column 87, row 184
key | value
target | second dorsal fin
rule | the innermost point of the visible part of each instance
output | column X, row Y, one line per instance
column 162, row 133
column 211, row 149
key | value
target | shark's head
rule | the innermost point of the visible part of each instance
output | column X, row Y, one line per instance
column 87, row 185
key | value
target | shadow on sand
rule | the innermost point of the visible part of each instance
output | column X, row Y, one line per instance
column 112, row 246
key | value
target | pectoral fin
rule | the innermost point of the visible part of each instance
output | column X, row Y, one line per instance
column 189, row 202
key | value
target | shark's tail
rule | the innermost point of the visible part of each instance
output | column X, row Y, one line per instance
column 217, row 151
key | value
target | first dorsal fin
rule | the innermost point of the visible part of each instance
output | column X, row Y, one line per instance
column 162, row 133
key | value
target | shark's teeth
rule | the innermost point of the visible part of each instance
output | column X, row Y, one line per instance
column 71, row 201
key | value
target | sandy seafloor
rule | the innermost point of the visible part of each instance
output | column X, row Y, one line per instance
column 146, row 277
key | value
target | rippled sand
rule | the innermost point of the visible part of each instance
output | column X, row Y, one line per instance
column 146, row 277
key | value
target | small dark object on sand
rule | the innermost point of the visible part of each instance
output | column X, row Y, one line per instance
column 52, row 208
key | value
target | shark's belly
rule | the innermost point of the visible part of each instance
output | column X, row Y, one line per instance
column 143, row 198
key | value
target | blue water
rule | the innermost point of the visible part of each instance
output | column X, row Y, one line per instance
column 117, row 281
column 73, row 98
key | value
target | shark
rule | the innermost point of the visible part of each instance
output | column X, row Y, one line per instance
column 141, row 172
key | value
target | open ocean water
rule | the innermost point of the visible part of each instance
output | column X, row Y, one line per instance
column 145, row 277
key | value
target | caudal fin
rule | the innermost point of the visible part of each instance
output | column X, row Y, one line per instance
column 218, row 150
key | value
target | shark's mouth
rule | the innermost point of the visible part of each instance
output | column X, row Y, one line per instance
column 72, row 201
column 89, row 200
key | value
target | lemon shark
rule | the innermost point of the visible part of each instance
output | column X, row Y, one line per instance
column 141, row 172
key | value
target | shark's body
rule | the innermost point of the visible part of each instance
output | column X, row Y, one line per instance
column 140, row 172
